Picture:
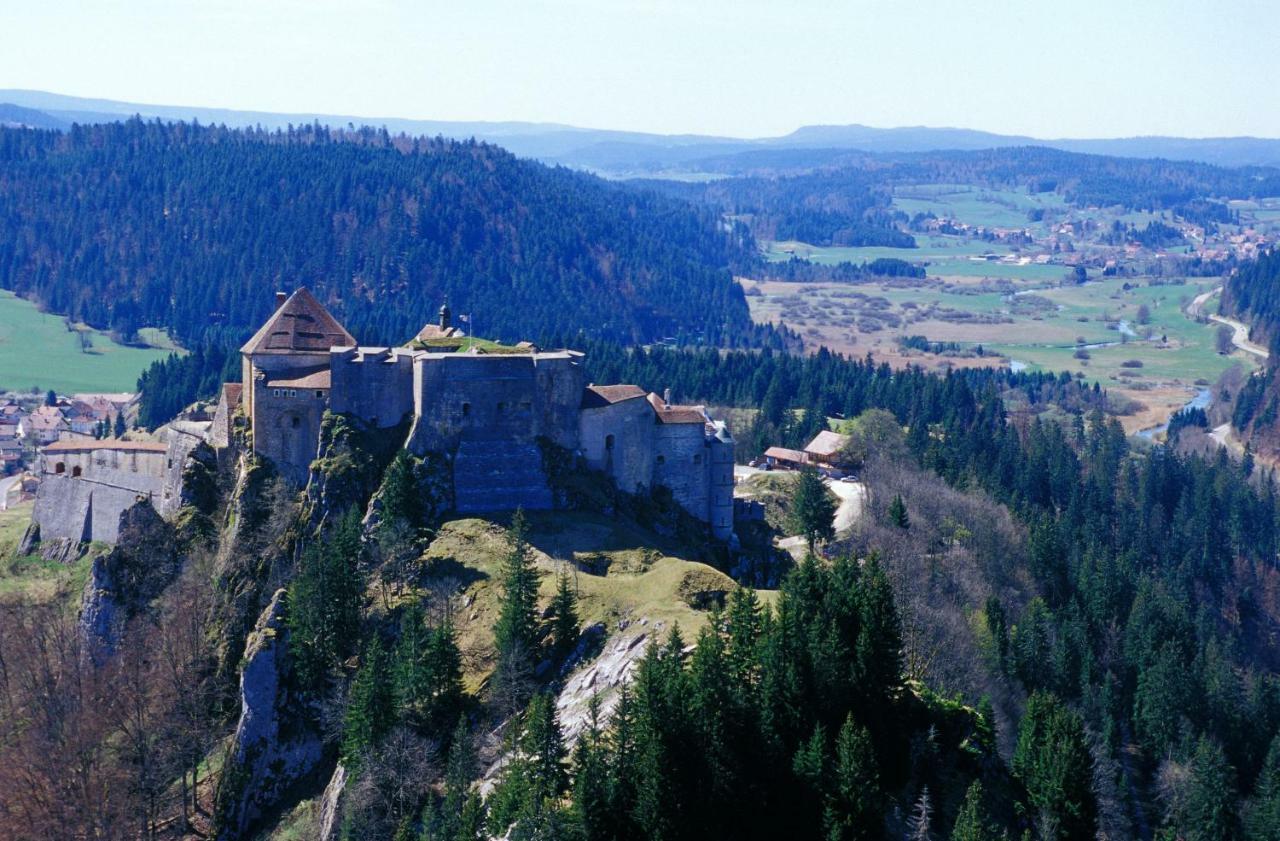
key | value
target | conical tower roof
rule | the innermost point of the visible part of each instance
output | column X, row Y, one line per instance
column 300, row 324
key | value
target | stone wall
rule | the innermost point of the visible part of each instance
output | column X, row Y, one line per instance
column 286, row 427
column 681, row 463
column 373, row 384
column 130, row 468
column 720, row 509
column 83, row 509
column 618, row 439
column 498, row 397
column 181, row 441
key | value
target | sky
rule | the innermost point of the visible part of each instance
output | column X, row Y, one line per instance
column 744, row 68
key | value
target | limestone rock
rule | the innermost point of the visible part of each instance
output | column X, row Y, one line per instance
column 331, row 804
column 601, row 677
column 30, row 540
column 123, row 581
column 273, row 747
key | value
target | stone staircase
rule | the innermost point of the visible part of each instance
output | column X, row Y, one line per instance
column 499, row 475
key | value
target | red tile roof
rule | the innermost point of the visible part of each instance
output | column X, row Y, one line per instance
column 300, row 324
column 105, row 444
column 595, row 396
column 317, row 377
column 676, row 414
column 785, row 454
column 233, row 392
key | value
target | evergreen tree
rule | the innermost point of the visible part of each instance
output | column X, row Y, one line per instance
column 370, row 705
column 564, row 616
column 854, row 808
column 1053, row 762
column 119, row 425
column 591, row 783
column 516, row 631
column 812, row 509
column 1210, row 809
column 972, row 823
column 1262, row 822
column 325, row 597
column 898, row 513
column 428, row 672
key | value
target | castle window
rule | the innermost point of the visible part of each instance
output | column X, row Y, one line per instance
column 466, row 410
column 293, row 392
column 75, row 471
column 275, row 392
column 662, row 459
column 59, row 468
column 297, row 421
column 319, row 394
column 608, row 442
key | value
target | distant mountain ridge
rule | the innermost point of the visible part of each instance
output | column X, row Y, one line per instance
column 640, row 153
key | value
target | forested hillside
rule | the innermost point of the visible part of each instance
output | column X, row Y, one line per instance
column 1252, row 294
column 839, row 197
column 192, row 228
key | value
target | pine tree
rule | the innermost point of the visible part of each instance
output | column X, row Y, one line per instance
column 1262, row 822
column 325, row 598
column 853, row 809
column 516, row 631
column 564, row 616
column 1054, row 764
column 812, row 510
column 918, row 825
column 1209, row 811
column 119, row 426
column 370, row 705
column 591, row 779
column 972, row 823
column 898, row 513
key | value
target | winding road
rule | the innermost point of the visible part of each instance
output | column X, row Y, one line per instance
column 1240, row 336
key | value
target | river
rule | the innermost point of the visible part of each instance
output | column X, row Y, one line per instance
column 1201, row 401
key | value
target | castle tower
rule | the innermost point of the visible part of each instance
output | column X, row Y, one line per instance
column 446, row 317
column 286, row 378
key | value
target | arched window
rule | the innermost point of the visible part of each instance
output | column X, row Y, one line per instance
column 296, row 421
column 608, row 442
column 59, row 468
column 75, row 471
column 466, row 410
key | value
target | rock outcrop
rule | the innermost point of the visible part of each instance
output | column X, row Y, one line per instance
column 123, row 581
column 274, row 746
column 331, row 804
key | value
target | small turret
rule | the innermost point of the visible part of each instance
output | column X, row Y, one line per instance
column 446, row 317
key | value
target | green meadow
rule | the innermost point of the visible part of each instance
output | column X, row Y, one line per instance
column 37, row 350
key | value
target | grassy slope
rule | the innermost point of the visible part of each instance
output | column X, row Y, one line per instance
column 30, row 578
column 37, row 350
column 642, row 576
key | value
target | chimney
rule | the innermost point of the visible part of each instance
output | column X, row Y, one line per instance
column 666, row 398
column 280, row 299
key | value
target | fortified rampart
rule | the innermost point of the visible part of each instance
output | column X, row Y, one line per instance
column 485, row 411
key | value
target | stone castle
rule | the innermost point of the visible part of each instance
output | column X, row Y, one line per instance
column 484, row 408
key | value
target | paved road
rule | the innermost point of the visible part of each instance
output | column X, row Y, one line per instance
column 1240, row 334
column 853, row 496
column 5, row 484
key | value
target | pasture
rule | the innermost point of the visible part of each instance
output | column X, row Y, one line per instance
column 38, row 350
column 1092, row 331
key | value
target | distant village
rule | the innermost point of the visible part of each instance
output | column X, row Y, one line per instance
column 33, row 422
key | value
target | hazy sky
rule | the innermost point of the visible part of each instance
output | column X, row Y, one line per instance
column 1067, row 68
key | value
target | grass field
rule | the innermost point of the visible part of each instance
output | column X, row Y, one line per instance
column 32, row 578
column 1040, row 330
column 38, row 351
column 976, row 205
